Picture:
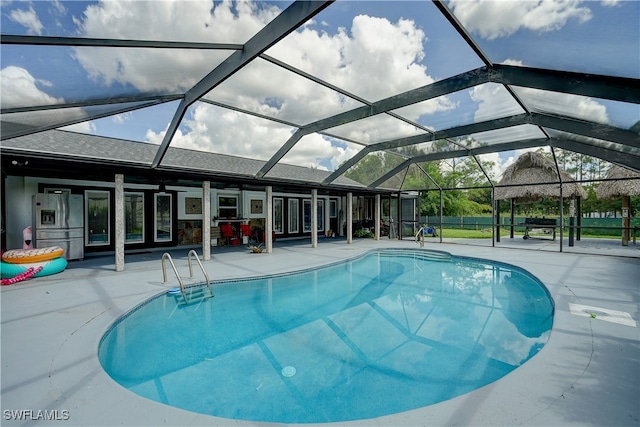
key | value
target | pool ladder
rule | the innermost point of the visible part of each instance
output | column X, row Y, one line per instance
column 192, row 252
column 420, row 237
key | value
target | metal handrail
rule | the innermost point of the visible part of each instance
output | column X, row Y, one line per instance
column 418, row 234
column 166, row 255
column 206, row 276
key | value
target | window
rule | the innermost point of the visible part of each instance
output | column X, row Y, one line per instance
column 333, row 208
column 162, row 216
column 133, row 217
column 320, row 218
column 306, row 216
column 97, row 214
column 293, row 216
column 227, row 207
column 278, row 216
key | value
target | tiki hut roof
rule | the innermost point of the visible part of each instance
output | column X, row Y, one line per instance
column 621, row 187
column 528, row 176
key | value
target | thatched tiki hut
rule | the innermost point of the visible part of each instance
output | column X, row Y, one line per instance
column 624, row 186
column 534, row 176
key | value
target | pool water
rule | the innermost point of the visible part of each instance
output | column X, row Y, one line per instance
column 387, row 332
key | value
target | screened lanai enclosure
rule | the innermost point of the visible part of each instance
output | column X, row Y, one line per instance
column 429, row 96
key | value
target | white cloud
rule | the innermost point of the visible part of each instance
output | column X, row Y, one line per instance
column 374, row 59
column 388, row 54
column 493, row 101
column 20, row 88
column 58, row 7
column 312, row 149
column 501, row 18
column 84, row 127
column 167, row 70
column 121, row 118
column 27, row 18
column 209, row 128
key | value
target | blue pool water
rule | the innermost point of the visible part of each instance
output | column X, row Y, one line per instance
column 384, row 333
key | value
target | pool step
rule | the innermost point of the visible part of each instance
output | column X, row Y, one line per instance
column 193, row 294
column 435, row 255
column 421, row 254
column 186, row 299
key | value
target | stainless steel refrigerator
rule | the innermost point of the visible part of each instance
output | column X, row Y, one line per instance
column 59, row 221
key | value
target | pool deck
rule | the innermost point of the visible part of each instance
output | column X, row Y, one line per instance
column 587, row 374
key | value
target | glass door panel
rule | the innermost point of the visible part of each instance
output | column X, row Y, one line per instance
column 134, row 217
column 163, row 218
column 293, row 216
column 320, row 218
column 97, row 213
column 306, row 216
column 278, row 216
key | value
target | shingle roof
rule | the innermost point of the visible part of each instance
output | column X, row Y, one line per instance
column 102, row 150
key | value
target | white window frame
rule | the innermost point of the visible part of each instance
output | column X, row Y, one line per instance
column 236, row 207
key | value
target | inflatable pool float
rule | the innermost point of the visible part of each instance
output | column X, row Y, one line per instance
column 52, row 266
column 22, row 256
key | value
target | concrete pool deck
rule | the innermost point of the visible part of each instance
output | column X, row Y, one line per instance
column 587, row 374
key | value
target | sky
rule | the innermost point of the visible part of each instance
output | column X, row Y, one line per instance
column 372, row 49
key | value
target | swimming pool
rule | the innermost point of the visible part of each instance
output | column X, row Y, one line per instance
column 387, row 332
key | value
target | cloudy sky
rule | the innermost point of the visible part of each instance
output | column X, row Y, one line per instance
column 372, row 49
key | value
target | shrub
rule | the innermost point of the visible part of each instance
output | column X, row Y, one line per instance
column 363, row 233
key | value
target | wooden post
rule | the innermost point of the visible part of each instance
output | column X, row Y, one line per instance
column 626, row 219
column 513, row 217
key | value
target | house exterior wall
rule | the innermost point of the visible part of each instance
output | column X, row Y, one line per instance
column 251, row 208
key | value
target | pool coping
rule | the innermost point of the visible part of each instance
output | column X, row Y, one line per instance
column 588, row 373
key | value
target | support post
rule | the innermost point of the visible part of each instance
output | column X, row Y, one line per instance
column 206, row 220
column 441, row 211
column 513, row 217
column 578, row 216
column 377, row 219
column 399, row 216
column 561, row 218
column 268, row 226
column 626, row 219
column 349, row 217
column 314, row 218
column 572, row 212
column 497, row 208
column 119, row 181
